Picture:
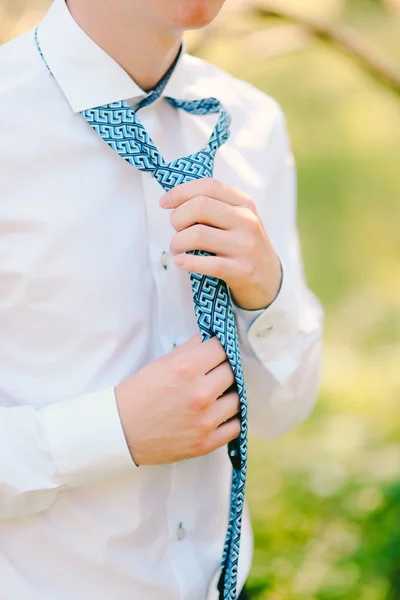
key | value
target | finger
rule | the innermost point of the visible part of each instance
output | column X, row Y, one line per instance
column 204, row 187
column 223, row 434
column 205, row 210
column 215, row 266
column 225, row 408
column 203, row 237
column 220, row 378
column 207, row 356
column 192, row 342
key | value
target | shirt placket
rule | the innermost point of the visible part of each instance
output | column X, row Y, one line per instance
column 176, row 316
column 173, row 290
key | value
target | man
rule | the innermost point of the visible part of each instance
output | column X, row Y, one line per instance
column 115, row 414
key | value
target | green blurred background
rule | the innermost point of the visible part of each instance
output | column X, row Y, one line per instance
column 325, row 499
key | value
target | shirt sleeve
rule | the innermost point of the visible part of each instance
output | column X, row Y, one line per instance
column 281, row 345
column 68, row 444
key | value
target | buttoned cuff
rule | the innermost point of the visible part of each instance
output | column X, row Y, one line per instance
column 268, row 334
column 86, row 439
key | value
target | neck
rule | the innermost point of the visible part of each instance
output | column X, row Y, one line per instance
column 138, row 44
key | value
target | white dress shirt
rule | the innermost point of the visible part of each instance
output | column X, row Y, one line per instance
column 89, row 294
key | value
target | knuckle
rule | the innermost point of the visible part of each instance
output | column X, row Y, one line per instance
column 184, row 371
column 247, row 202
column 210, row 186
column 201, row 447
column 205, row 425
column 247, row 267
column 252, row 221
column 197, row 233
column 220, row 186
column 219, row 269
column 200, row 399
column 250, row 203
column 249, row 244
column 171, row 194
column 202, row 204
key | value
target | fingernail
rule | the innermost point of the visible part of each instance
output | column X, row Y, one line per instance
column 164, row 200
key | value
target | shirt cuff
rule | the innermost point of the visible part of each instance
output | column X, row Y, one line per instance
column 267, row 334
column 86, row 439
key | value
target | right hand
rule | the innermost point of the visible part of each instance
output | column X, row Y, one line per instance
column 176, row 407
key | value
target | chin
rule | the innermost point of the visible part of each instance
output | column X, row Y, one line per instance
column 194, row 14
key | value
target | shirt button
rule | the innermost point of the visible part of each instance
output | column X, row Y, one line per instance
column 164, row 259
column 181, row 532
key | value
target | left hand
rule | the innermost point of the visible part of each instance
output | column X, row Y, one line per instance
column 218, row 218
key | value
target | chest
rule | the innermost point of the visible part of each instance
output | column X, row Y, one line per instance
column 86, row 276
column 72, row 208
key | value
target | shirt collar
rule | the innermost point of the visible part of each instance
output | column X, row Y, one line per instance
column 86, row 74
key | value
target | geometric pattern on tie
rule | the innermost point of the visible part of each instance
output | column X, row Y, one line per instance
column 120, row 127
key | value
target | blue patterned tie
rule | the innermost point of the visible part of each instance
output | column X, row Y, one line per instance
column 119, row 126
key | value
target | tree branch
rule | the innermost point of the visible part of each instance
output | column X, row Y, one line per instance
column 345, row 39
